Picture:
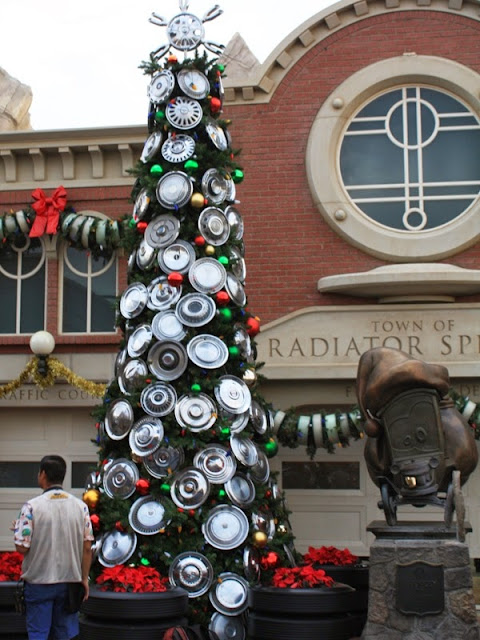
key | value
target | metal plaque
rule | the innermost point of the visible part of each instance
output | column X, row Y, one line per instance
column 420, row 588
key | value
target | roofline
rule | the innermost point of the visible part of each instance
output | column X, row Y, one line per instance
column 264, row 79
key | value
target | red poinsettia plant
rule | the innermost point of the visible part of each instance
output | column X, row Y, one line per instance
column 329, row 555
column 304, row 577
column 10, row 566
column 139, row 579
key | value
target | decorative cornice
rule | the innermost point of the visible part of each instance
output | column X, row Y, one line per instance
column 72, row 157
column 263, row 80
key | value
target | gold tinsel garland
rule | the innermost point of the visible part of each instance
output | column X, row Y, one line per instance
column 55, row 369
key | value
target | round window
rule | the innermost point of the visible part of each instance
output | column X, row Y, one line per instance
column 393, row 162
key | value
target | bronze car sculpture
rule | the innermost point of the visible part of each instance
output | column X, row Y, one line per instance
column 419, row 449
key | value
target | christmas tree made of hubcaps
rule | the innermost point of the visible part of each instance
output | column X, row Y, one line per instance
column 183, row 482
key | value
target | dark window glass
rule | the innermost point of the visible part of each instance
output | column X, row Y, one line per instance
column 321, row 475
column 18, row 474
column 80, row 471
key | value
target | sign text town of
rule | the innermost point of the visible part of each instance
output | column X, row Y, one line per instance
column 320, row 341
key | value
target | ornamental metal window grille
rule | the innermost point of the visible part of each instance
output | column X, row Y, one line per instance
column 410, row 160
column 89, row 292
column 23, row 286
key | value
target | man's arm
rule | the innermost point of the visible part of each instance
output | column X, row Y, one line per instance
column 86, row 562
column 22, row 550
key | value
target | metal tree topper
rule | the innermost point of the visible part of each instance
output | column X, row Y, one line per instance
column 185, row 31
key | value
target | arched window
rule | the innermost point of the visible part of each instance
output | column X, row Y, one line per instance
column 393, row 162
column 23, row 277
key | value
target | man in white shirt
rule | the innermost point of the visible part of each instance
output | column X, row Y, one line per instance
column 54, row 533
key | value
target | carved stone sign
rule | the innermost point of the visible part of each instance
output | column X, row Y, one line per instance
column 420, row 589
column 327, row 342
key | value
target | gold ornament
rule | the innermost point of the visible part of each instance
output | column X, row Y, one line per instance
column 260, row 539
column 209, row 250
column 249, row 377
column 91, row 498
column 197, row 200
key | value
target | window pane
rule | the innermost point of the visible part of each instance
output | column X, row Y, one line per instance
column 321, row 475
column 424, row 143
column 103, row 299
column 80, row 471
column 74, row 302
column 18, row 474
column 33, row 303
column 8, row 296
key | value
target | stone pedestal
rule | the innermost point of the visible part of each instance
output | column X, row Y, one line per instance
column 420, row 584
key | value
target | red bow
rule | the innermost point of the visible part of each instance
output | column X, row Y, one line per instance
column 48, row 211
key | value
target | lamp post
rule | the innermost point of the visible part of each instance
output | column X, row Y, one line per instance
column 42, row 343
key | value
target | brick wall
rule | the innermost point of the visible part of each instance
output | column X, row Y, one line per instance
column 288, row 244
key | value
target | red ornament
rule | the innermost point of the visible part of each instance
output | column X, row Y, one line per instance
column 119, row 526
column 269, row 561
column 200, row 241
column 253, row 326
column 222, row 298
column 141, row 226
column 143, row 486
column 175, row 279
column 172, row 59
column 215, row 105
column 95, row 520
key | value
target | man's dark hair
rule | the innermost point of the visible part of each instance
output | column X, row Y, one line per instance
column 55, row 468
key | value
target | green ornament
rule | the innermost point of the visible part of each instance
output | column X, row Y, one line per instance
column 222, row 493
column 191, row 165
column 159, row 116
column 226, row 314
column 271, row 448
column 223, row 260
column 234, row 351
column 145, row 562
column 221, row 67
column 224, row 433
column 132, row 223
column 237, row 175
column 196, row 388
column 156, row 170
column 165, row 487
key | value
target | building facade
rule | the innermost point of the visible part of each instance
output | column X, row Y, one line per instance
column 359, row 138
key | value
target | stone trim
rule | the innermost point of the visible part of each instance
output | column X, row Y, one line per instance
column 74, row 158
column 262, row 81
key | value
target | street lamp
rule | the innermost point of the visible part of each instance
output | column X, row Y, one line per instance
column 42, row 343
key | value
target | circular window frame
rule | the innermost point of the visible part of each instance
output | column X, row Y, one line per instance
column 323, row 150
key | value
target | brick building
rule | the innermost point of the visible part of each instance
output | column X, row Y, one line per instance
column 359, row 138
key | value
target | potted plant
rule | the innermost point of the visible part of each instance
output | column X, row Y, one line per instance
column 341, row 565
column 10, row 572
column 132, row 601
column 303, row 602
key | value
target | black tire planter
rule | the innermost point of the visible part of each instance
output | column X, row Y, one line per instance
column 337, row 599
column 12, row 625
column 94, row 629
column 355, row 576
column 329, row 613
column 333, row 627
column 7, row 594
column 139, row 607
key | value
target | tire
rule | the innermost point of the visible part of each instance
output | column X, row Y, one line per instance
column 328, row 628
column 356, row 577
column 325, row 601
column 12, row 625
column 135, row 606
column 7, row 594
column 104, row 630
